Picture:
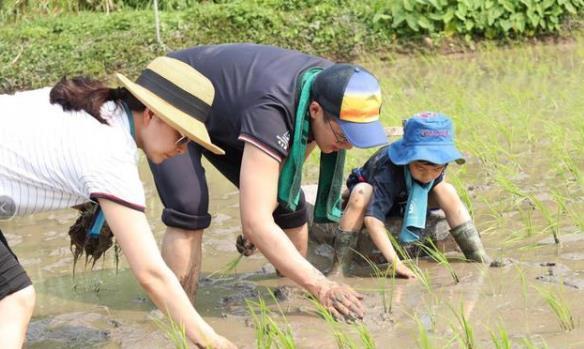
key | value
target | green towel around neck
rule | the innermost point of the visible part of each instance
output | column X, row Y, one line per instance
column 327, row 207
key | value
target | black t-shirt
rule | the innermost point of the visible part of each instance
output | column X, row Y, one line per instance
column 388, row 182
column 255, row 93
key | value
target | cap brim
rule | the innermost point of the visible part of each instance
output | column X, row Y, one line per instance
column 364, row 134
column 438, row 154
column 176, row 118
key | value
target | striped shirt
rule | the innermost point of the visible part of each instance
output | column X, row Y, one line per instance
column 52, row 159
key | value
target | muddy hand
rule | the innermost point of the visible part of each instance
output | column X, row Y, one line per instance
column 342, row 301
column 244, row 246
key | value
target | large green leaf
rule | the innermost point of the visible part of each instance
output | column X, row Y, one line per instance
column 425, row 23
column 508, row 5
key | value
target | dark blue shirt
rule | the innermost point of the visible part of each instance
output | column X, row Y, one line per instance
column 256, row 92
column 389, row 186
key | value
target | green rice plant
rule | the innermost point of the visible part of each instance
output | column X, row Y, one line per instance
column 500, row 338
column 430, row 248
column 423, row 340
column 227, row 268
column 464, row 331
column 381, row 276
column 565, row 207
column 365, row 336
column 174, row 332
column 421, row 275
column 559, row 307
column 268, row 333
column 342, row 339
column 462, row 191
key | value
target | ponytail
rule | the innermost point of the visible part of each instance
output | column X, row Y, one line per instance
column 83, row 93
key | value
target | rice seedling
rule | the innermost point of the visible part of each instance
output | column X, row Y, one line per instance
column 430, row 248
column 500, row 338
column 464, row 331
column 227, row 268
column 423, row 340
column 462, row 191
column 559, row 307
column 173, row 331
column 268, row 333
column 421, row 275
column 342, row 338
column 365, row 336
column 381, row 277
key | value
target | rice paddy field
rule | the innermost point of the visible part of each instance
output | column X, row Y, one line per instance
column 519, row 116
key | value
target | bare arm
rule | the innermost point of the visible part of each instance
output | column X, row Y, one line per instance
column 378, row 233
column 258, row 199
column 137, row 242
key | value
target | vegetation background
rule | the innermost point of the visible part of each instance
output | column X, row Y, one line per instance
column 42, row 40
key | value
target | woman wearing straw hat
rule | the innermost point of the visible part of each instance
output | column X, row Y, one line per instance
column 272, row 108
column 76, row 143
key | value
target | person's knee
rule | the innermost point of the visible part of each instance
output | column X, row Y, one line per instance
column 22, row 301
column 360, row 196
column 187, row 217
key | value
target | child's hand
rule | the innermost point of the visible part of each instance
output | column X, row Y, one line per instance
column 401, row 270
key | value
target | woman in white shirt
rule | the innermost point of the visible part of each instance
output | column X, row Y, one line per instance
column 76, row 143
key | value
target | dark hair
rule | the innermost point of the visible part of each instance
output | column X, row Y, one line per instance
column 83, row 93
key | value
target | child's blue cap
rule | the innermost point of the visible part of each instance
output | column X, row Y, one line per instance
column 428, row 136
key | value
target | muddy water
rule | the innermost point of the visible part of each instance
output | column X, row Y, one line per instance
column 107, row 309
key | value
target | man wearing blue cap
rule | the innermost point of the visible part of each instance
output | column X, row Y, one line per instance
column 272, row 107
column 399, row 180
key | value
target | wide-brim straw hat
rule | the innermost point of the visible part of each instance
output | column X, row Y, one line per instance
column 179, row 95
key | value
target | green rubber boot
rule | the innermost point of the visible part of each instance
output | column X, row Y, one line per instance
column 345, row 243
column 468, row 239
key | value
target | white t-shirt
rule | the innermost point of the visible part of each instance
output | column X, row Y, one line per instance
column 51, row 159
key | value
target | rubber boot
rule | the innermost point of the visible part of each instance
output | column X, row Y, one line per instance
column 468, row 239
column 344, row 244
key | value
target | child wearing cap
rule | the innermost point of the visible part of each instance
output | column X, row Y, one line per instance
column 401, row 179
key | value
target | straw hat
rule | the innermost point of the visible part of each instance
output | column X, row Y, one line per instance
column 179, row 95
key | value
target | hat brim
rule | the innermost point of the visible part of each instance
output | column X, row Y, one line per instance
column 400, row 154
column 364, row 134
column 176, row 118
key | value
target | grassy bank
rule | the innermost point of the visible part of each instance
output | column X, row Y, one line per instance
column 42, row 41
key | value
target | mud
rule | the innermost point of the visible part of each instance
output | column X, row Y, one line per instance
column 107, row 309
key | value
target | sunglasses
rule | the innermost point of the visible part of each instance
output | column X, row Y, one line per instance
column 182, row 140
column 341, row 138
